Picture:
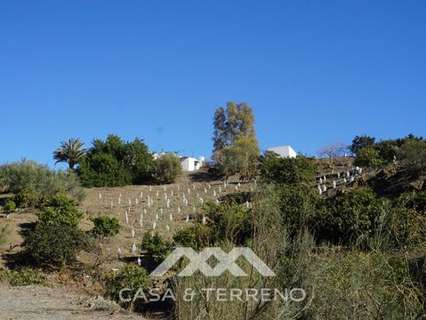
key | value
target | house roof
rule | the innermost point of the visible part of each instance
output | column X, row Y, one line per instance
column 281, row 149
column 189, row 158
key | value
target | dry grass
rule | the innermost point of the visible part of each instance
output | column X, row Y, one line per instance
column 156, row 208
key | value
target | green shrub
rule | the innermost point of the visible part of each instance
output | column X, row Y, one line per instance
column 412, row 155
column 405, row 227
column 167, row 168
column 23, row 277
column 238, row 197
column 60, row 210
column 387, row 150
column 10, row 206
column 29, row 198
column 239, row 158
column 357, row 285
column 114, row 162
column 226, row 222
column 156, row 247
column 229, row 221
column 131, row 277
column 368, row 157
column 278, row 170
column 299, row 203
column 105, row 226
column 33, row 183
column 103, row 170
column 186, row 238
column 361, row 142
column 53, row 245
column 350, row 217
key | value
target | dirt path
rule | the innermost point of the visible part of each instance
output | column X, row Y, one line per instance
column 39, row 303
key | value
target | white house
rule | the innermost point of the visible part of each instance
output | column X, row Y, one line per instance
column 191, row 164
column 283, row 151
column 158, row 155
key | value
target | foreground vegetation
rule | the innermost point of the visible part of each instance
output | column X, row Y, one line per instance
column 358, row 252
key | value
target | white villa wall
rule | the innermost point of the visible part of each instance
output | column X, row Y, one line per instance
column 284, row 151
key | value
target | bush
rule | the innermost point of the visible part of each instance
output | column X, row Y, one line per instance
column 413, row 156
column 361, row 142
column 350, row 217
column 405, row 227
column 33, row 183
column 197, row 236
column 274, row 169
column 167, row 168
column 105, row 226
column 362, row 286
column 418, row 201
column 299, row 203
column 10, row 206
column 229, row 221
column 23, row 277
column 103, row 170
column 114, row 162
column 186, row 238
column 60, row 210
column 29, row 198
column 237, row 197
column 156, row 247
column 53, row 245
column 368, row 157
column 239, row 158
column 131, row 277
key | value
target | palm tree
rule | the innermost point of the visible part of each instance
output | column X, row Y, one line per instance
column 70, row 151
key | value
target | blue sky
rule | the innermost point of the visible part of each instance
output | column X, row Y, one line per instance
column 315, row 72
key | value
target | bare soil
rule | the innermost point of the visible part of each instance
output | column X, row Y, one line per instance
column 41, row 303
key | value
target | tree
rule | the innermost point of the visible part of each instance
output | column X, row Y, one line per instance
column 235, row 147
column 360, row 142
column 140, row 160
column 333, row 151
column 413, row 156
column 115, row 162
column 229, row 125
column 240, row 158
column 219, row 135
column 71, row 151
column 167, row 168
column 277, row 170
column 368, row 157
column 54, row 245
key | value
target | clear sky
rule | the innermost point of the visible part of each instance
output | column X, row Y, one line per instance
column 315, row 72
